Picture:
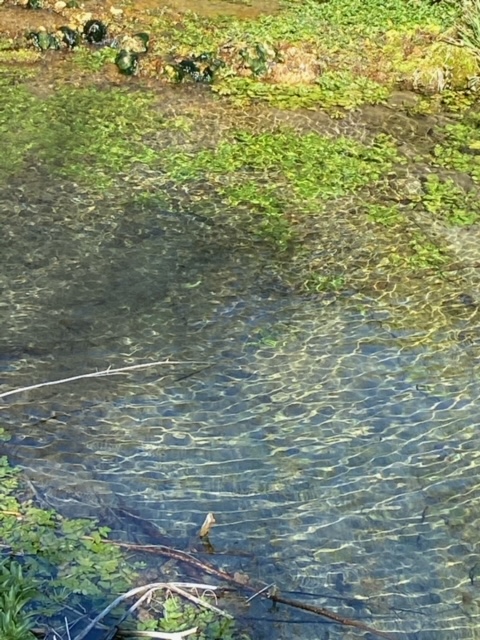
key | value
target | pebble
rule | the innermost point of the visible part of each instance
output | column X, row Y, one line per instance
column 116, row 12
column 59, row 6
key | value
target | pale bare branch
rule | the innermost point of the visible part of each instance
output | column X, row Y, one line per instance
column 98, row 374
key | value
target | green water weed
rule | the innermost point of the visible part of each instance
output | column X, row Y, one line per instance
column 444, row 199
column 86, row 134
column 385, row 215
column 425, row 254
column 333, row 90
column 461, row 148
column 16, row 593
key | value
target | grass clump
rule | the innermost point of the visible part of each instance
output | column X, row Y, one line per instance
column 469, row 25
column 16, row 593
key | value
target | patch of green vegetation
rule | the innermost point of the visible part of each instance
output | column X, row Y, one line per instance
column 282, row 175
column 64, row 563
column 271, row 222
column 67, row 558
column 309, row 19
column 333, row 90
column 192, row 35
column 179, row 616
column 94, row 60
column 461, row 148
column 312, row 166
column 445, row 199
column 426, row 254
column 271, row 337
column 318, row 283
column 91, row 135
column 16, row 592
column 385, row 215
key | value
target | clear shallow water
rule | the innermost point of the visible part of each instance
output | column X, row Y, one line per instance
column 337, row 449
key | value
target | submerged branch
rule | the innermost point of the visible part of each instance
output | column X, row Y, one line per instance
column 98, row 374
column 259, row 590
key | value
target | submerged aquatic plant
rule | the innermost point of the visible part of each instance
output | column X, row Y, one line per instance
column 16, row 592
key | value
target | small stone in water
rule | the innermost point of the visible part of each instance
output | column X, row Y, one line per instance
column 127, row 62
column 70, row 37
column 95, row 31
column 43, row 40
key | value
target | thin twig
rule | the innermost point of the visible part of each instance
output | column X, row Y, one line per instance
column 69, row 637
column 259, row 593
column 163, row 635
column 97, row 374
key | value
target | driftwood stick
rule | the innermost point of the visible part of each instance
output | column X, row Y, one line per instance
column 257, row 590
column 97, row 374
column 326, row 613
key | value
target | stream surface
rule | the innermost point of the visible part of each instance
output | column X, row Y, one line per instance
column 337, row 448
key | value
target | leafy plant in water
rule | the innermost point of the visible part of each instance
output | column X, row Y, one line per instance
column 179, row 616
column 461, row 148
column 387, row 216
column 333, row 90
column 318, row 283
column 447, row 200
column 66, row 556
column 86, row 134
column 426, row 254
column 16, row 593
